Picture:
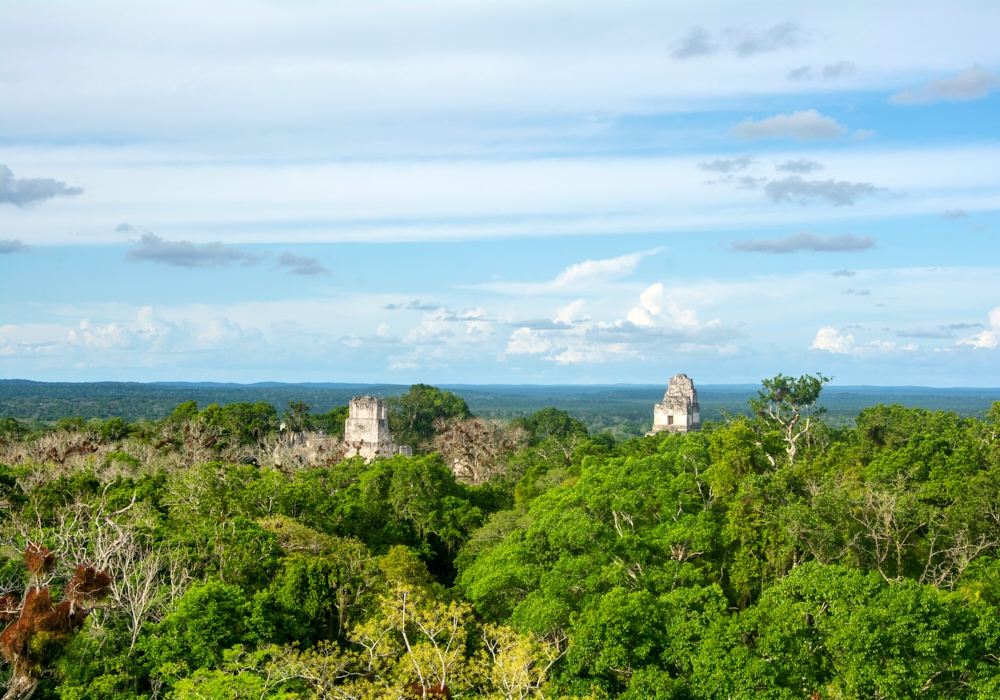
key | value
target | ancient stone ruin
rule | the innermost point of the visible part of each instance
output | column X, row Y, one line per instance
column 679, row 412
column 366, row 431
column 306, row 448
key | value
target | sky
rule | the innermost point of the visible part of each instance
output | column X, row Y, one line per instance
column 544, row 192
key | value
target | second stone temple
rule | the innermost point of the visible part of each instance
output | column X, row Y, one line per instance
column 679, row 411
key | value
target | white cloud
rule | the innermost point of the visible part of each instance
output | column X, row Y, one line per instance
column 834, row 341
column 570, row 312
column 807, row 125
column 580, row 276
column 971, row 84
column 987, row 339
column 527, row 341
column 600, row 271
column 830, row 339
column 656, row 308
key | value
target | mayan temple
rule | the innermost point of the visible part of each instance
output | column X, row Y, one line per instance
column 366, row 431
column 679, row 412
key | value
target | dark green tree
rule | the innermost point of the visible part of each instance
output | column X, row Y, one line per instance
column 412, row 415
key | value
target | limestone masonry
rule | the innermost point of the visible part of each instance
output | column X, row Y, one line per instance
column 366, row 431
column 679, row 412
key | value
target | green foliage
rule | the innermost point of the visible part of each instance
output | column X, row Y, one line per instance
column 332, row 422
column 208, row 619
column 708, row 565
column 240, row 423
column 412, row 415
column 551, row 423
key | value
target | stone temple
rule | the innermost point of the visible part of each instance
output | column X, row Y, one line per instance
column 366, row 431
column 679, row 412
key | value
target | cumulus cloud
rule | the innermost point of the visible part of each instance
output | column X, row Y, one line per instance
column 987, row 339
column 302, row 265
column 807, row 241
column 955, row 214
column 780, row 36
column 844, row 273
column 26, row 191
column 803, row 73
column 527, row 341
column 795, row 188
column 656, row 322
column 128, row 340
column 698, row 42
column 802, row 166
column 727, row 165
column 805, row 125
column 834, row 341
column 9, row 246
column 971, row 84
column 154, row 249
column 858, row 292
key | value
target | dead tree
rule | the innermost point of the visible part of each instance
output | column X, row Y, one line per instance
column 38, row 629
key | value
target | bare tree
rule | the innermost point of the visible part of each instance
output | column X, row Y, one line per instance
column 477, row 449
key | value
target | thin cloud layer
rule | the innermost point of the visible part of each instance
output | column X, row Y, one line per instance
column 728, row 165
column 27, row 191
column 802, row 166
column 834, row 71
column 806, row 125
column 807, row 241
column 698, row 42
column 971, row 84
column 955, row 214
column 924, row 333
column 780, row 36
column 743, row 42
column 10, row 246
column 836, row 192
column 154, row 249
column 302, row 265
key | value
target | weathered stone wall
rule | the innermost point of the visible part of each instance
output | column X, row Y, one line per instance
column 307, row 448
column 366, row 431
column 679, row 411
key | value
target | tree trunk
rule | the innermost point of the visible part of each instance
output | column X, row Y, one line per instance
column 21, row 687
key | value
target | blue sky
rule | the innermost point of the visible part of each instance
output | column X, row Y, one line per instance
column 500, row 192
